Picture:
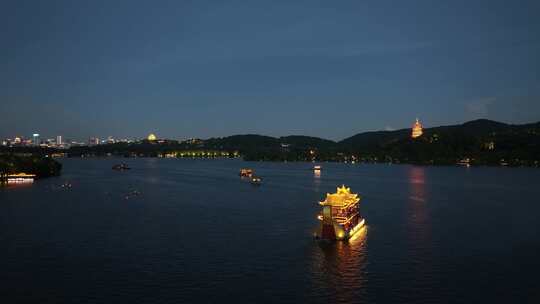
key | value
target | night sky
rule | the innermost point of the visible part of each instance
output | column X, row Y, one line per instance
column 321, row 68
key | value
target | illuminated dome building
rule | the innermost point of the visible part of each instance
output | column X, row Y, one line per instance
column 152, row 137
column 417, row 129
column 340, row 217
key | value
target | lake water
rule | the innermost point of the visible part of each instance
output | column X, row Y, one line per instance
column 191, row 231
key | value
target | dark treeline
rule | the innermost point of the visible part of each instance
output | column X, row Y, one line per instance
column 139, row 149
column 483, row 142
column 479, row 142
column 36, row 164
column 266, row 148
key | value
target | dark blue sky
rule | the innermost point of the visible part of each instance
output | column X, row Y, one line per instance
column 322, row 68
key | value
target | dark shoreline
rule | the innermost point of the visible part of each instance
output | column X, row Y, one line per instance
column 40, row 165
column 474, row 143
column 120, row 157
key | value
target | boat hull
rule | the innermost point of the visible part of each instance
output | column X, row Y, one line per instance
column 335, row 232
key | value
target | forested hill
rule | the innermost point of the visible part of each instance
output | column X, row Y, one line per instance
column 482, row 141
column 475, row 128
column 253, row 141
column 32, row 164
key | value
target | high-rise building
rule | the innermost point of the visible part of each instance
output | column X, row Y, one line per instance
column 93, row 141
column 35, row 139
column 59, row 140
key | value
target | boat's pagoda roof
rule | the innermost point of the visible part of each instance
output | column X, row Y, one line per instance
column 343, row 198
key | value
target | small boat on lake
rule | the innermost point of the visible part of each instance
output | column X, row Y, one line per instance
column 317, row 168
column 256, row 180
column 340, row 217
column 246, row 172
column 121, row 167
column 466, row 162
column 132, row 194
column 20, row 178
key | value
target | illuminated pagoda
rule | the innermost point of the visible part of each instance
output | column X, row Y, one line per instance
column 152, row 137
column 417, row 129
column 340, row 217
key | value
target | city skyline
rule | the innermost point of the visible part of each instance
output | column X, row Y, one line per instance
column 185, row 70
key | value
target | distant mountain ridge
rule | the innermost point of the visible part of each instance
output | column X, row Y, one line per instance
column 369, row 138
column 473, row 127
column 262, row 141
column 484, row 141
column 479, row 141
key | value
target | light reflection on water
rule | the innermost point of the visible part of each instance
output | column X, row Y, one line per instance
column 418, row 215
column 199, row 233
column 339, row 269
column 419, row 240
column 10, row 184
column 316, row 180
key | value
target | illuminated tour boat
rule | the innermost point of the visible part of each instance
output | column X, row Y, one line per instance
column 317, row 168
column 340, row 217
column 20, row 178
column 246, row 172
column 417, row 129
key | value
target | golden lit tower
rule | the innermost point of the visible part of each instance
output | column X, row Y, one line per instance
column 152, row 137
column 417, row 129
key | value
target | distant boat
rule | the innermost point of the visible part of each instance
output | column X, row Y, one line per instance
column 120, row 167
column 20, row 178
column 132, row 194
column 317, row 168
column 245, row 172
column 255, row 180
column 464, row 162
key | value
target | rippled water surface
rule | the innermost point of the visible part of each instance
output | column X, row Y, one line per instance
column 191, row 231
